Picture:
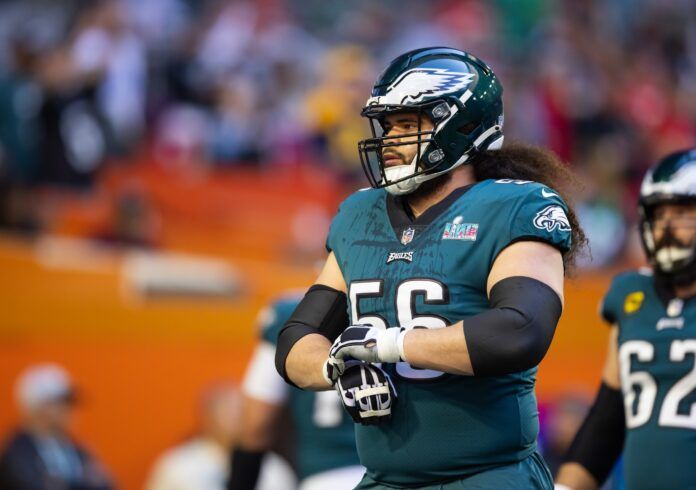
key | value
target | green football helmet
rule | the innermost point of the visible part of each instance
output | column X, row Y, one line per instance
column 458, row 92
column 671, row 181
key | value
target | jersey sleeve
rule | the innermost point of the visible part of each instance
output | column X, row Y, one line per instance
column 344, row 221
column 608, row 307
column 331, row 237
column 271, row 319
column 621, row 298
column 269, row 324
column 543, row 216
column 261, row 380
column 334, row 238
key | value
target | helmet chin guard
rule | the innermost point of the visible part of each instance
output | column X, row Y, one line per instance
column 459, row 93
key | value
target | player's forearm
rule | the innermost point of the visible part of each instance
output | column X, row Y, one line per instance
column 441, row 349
column 512, row 336
column 576, row 477
column 305, row 362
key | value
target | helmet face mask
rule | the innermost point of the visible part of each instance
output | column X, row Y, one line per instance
column 671, row 182
column 458, row 93
column 669, row 253
column 372, row 150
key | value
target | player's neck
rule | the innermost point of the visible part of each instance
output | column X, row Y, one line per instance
column 420, row 203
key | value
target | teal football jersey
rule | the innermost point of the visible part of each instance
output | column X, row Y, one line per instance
column 657, row 354
column 325, row 433
column 431, row 272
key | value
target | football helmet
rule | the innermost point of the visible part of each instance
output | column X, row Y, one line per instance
column 458, row 92
column 672, row 180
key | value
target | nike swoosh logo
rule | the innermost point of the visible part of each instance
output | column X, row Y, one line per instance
column 548, row 194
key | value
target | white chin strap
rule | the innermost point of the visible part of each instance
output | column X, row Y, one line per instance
column 407, row 185
column 401, row 172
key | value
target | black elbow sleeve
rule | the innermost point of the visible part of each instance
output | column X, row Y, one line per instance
column 599, row 442
column 515, row 334
column 323, row 310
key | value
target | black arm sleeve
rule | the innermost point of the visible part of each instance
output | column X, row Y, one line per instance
column 323, row 310
column 516, row 332
column 245, row 467
column 599, row 442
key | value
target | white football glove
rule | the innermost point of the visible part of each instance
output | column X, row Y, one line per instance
column 333, row 368
column 369, row 344
column 367, row 393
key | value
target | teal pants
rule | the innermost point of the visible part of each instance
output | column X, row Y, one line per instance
column 529, row 474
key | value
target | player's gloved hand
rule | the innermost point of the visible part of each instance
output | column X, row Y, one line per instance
column 333, row 368
column 369, row 344
column 367, row 393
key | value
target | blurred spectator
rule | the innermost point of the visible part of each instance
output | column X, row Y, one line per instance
column 608, row 85
column 20, row 100
column 561, row 424
column 41, row 455
column 558, row 431
column 333, row 106
column 133, row 221
column 201, row 463
column 105, row 44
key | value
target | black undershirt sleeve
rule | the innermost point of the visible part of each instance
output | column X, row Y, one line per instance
column 245, row 467
column 599, row 442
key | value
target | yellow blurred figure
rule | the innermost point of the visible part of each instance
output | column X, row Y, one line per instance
column 333, row 107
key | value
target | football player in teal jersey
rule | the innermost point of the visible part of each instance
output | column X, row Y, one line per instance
column 450, row 273
column 646, row 404
column 325, row 452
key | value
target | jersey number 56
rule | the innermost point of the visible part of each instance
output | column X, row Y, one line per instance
column 433, row 293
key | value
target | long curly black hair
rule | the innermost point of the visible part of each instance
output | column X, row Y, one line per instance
column 526, row 162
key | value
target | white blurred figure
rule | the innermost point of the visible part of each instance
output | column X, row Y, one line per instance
column 202, row 463
column 105, row 44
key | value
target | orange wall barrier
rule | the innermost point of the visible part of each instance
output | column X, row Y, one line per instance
column 142, row 367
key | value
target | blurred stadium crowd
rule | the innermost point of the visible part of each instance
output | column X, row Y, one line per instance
column 609, row 86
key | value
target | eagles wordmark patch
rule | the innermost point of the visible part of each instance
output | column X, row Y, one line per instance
column 405, row 256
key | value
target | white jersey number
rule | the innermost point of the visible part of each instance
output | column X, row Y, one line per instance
column 328, row 411
column 433, row 292
column 631, row 381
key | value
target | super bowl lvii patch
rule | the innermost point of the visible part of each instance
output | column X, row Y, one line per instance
column 460, row 231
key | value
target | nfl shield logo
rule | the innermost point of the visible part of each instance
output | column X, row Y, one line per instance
column 407, row 236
